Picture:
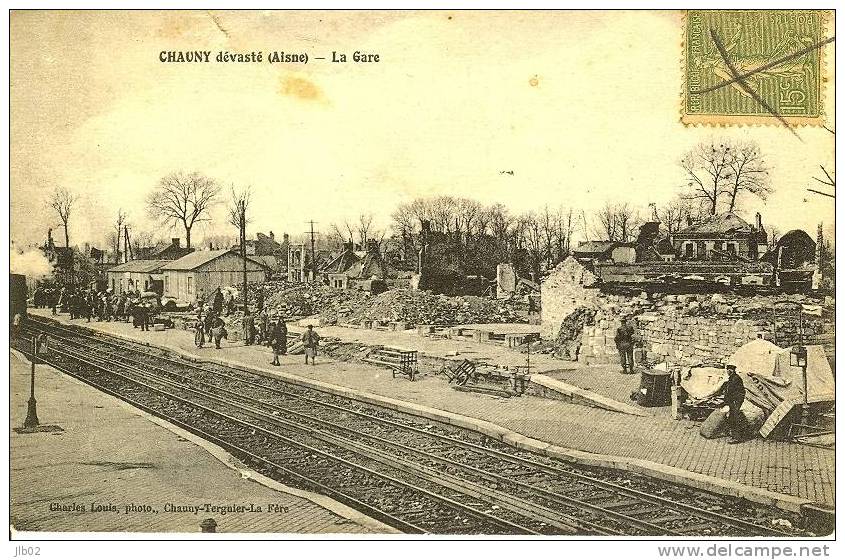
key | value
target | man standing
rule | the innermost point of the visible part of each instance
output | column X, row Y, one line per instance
column 217, row 302
column 625, row 344
column 218, row 330
column 145, row 317
column 249, row 329
column 734, row 392
column 199, row 331
column 279, row 339
column 310, row 340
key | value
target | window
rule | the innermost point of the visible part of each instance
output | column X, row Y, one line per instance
column 688, row 250
column 190, row 285
column 732, row 248
column 121, row 285
column 112, row 284
column 166, row 284
column 146, row 285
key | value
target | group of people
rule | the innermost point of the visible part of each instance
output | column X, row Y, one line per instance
column 272, row 330
column 97, row 305
column 209, row 326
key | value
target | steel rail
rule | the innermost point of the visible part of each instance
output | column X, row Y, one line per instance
column 483, row 516
column 753, row 528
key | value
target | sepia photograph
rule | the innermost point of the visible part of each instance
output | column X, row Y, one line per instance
column 382, row 274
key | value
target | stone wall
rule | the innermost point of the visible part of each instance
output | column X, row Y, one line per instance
column 692, row 329
column 565, row 289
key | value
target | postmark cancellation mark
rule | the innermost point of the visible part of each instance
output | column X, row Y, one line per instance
column 753, row 67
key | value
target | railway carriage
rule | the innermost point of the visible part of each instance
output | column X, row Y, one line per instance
column 17, row 295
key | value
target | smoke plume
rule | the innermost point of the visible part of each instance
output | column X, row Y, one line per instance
column 32, row 263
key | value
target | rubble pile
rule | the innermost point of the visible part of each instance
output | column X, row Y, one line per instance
column 569, row 336
column 267, row 289
column 424, row 308
column 306, row 300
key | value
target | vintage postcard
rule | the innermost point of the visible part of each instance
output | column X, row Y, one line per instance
column 367, row 274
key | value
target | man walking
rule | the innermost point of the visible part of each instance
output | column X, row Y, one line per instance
column 625, row 345
column 734, row 392
column 310, row 340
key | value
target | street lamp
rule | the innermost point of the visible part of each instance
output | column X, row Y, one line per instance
column 798, row 358
column 39, row 348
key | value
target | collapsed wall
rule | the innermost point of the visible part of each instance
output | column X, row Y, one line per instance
column 567, row 288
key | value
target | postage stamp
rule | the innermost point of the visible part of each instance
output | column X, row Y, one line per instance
column 753, row 67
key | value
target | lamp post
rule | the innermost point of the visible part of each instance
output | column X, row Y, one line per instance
column 798, row 357
column 39, row 345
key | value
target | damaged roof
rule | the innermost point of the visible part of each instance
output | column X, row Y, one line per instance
column 719, row 223
column 595, row 247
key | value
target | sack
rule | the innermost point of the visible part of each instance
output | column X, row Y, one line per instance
column 715, row 425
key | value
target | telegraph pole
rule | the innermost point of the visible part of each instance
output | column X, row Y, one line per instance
column 242, row 223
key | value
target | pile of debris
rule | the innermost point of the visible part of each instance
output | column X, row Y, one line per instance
column 424, row 308
column 307, row 300
column 267, row 290
column 568, row 340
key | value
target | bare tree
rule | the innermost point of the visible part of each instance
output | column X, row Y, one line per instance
column 828, row 181
column 141, row 239
column 674, row 215
column 627, row 219
column 617, row 222
column 748, row 173
column 336, row 236
column 608, row 224
column 119, row 224
column 238, row 208
column 183, row 199
column 62, row 202
column 365, row 221
column 708, row 170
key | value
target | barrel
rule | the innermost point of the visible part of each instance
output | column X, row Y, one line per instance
column 655, row 388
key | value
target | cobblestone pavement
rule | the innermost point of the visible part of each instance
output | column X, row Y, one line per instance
column 799, row 470
column 98, row 458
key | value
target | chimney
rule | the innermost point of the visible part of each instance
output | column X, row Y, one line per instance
column 175, row 242
column 286, row 238
column 349, row 246
column 272, row 236
column 758, row 221
column 689, row 220
column 372, row 246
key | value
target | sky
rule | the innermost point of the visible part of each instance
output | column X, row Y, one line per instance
column 583, row 107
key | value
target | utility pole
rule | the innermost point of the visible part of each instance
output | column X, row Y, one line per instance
column 313, row 254
column 242, row 223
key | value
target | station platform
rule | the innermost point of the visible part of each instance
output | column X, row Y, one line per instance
column 781, row 473
column 104, row 466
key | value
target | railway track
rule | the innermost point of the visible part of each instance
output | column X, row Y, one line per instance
column 411, row 474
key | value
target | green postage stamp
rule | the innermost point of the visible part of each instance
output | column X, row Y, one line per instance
column 754, row 66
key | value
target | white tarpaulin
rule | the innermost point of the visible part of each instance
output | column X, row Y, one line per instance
column 771, row 384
